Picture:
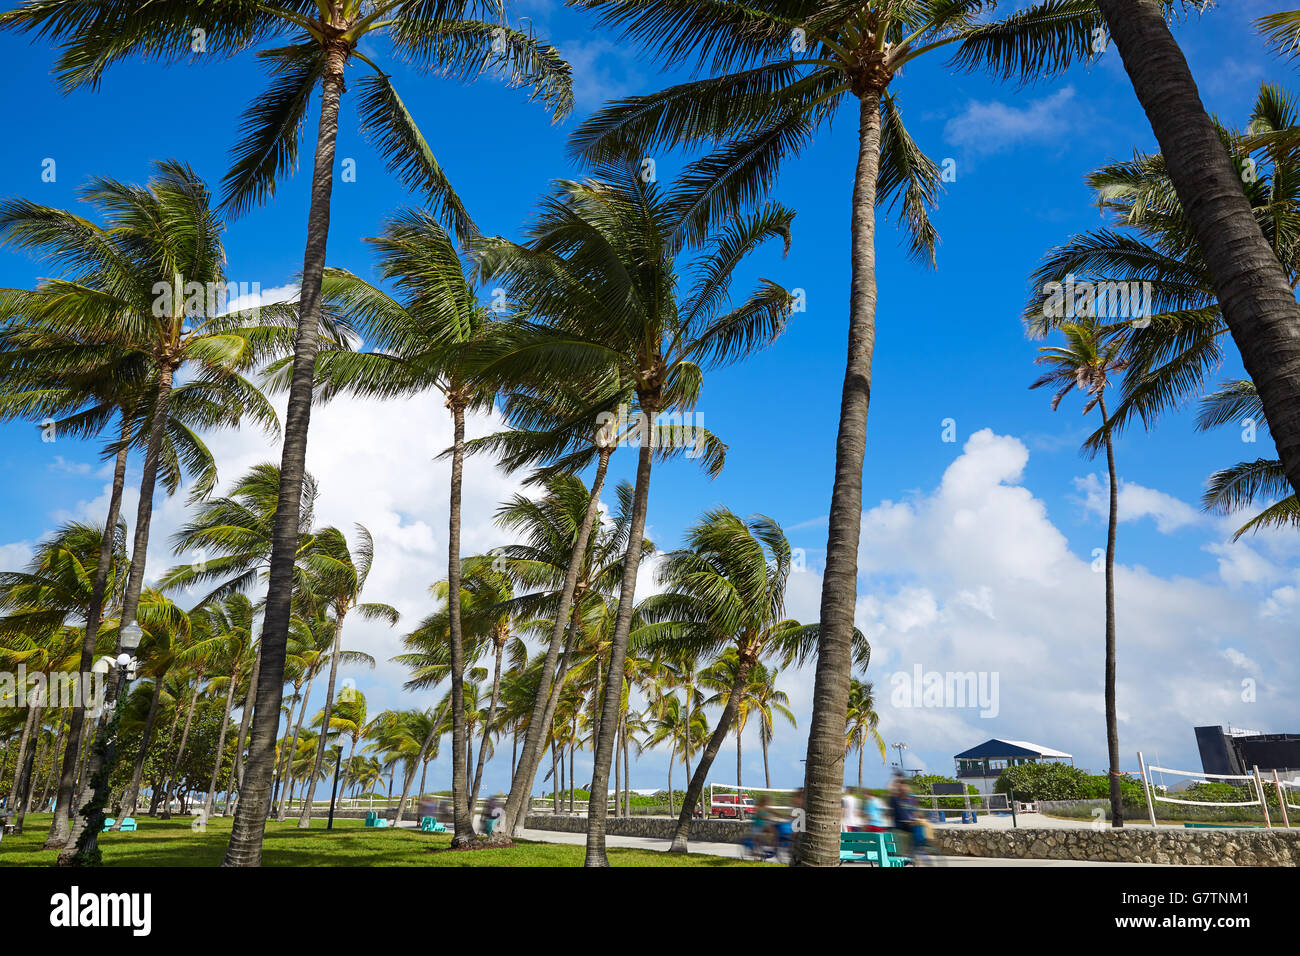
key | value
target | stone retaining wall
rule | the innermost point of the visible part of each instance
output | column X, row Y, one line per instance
column 659, row 828
column 1127, row 845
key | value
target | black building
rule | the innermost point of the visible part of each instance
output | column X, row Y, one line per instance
column 1238, row 752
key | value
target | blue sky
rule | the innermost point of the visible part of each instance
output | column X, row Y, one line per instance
column 975, row 552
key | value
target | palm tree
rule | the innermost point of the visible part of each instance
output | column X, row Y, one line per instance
column 231, row 537
column 231, row 622
column 725, row 591
column 763, row 698
column 323, row 38
column 337, row 575
column 1259, row 305
column 563, row 566
column 669, row 720
column 550, row 427
column 45, row 602
column 783, row 67
column 100, row 340
column 600, row 276
column 1086, row 362
column 167, row 633
column 1231, row 489
column 863, row 723
column 1150, row 285
column 422, row 343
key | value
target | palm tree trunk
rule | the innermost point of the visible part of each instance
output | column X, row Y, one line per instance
column 695, row 788
column 180, row 751
column 245, row 847
column 25, row 770
column 1112, row 717
column 672, row 759
column 1258, row 303
column 462, row 812
column 739, row 783
column 552, row 703
column 61, row 826
column 767, row 773
column 618, row 651
column 130, row 602
column 24, row 742
column 221, row 746
column 146, row 738
column 237, row 767
column 487, row 726
column 521, row 783
column 420, row 762
column 304, row 817
column 283, row 809
column 824, row 769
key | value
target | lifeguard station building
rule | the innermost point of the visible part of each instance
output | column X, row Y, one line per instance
column 981, row 766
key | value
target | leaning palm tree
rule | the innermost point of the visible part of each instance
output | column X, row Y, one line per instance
column 726, row 590
column 598, row 283
column 863, row 723
column 1086, row 361
column 782, row 69
column 1233, row 488
column 102, row 339
column 423, row 341
column 320, row 40
column 1259, row 305
column 563, row 562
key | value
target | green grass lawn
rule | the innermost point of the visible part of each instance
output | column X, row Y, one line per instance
column 174, row 843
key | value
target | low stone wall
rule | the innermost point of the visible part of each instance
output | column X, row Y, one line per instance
column 658, row 828
column 1127, row 845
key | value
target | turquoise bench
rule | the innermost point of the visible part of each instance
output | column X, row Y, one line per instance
column 373, row 819
column 430, row 825
column 108, row 824
column 128, row 825
column 871, row 847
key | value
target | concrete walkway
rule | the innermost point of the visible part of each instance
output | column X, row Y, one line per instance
column 734, row 850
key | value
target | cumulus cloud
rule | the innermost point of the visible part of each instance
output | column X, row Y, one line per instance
column 987, row 128
column 1137, row 502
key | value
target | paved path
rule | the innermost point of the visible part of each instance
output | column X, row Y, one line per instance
column 734, row 850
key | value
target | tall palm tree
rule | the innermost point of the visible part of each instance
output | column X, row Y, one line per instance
column 1086, row 361
column 422, row 342
column 600, row 275
column 563, row 566
column 1259, row 305
column 231, row 622
column 863, row 723
column 726, row 591
column 100, row 340
column 337, row 574
column 322, row 39
column 782, row 68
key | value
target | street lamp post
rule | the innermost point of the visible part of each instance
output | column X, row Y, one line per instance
column 85, row 852
column 900, row 748
column 335, row 792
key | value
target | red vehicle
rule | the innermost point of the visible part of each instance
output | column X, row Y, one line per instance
column 730, row 806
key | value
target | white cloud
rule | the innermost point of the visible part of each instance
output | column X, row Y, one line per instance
column 986, row 128
column 1137, row 502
